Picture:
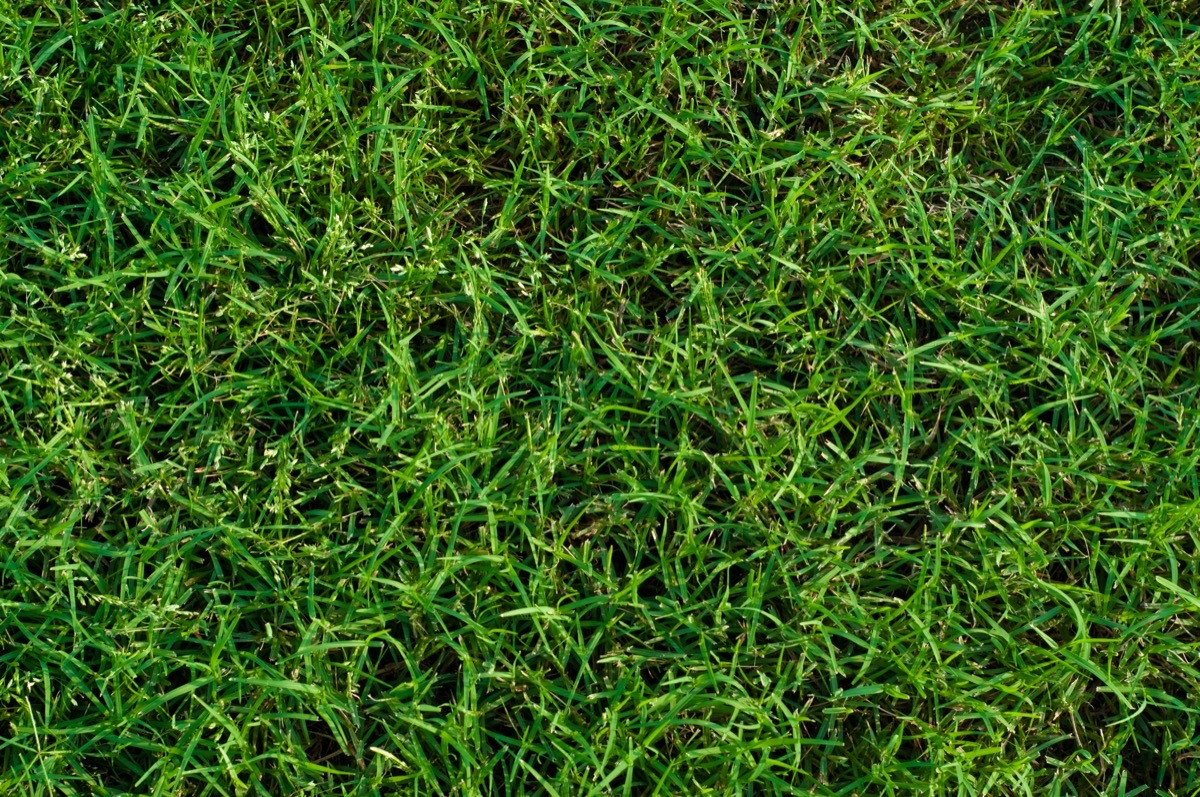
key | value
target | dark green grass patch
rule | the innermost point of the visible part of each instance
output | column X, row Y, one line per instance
column 588, row 398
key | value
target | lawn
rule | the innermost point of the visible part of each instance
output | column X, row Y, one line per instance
column 523, row 397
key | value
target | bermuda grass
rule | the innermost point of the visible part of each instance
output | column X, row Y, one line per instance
column 676, row 397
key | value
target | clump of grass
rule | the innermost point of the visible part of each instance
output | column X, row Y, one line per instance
column 590, row 398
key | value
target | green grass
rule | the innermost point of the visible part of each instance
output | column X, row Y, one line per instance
column 584, row 398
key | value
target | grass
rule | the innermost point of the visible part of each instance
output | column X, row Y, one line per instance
column 584, row 398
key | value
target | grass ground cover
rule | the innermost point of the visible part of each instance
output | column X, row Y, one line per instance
column 589, row 398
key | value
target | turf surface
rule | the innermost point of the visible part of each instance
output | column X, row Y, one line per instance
column 582, row 398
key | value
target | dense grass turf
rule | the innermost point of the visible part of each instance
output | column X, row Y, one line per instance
column 588, row 398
